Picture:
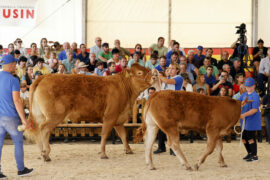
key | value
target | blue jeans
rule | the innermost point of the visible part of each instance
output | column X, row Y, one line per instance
column 267, row 125
column 10, row 124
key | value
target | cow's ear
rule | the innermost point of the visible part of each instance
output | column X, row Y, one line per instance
column 128, row 73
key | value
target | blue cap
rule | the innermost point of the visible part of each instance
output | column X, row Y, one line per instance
column 200, row 48
column 8, row 59
column 249, row 82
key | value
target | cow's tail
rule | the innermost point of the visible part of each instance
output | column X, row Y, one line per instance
column 33, row 131
column 141, row 131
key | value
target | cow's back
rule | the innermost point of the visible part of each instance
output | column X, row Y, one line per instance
column 193, row 111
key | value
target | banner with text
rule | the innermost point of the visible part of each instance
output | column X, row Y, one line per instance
column 18, row 12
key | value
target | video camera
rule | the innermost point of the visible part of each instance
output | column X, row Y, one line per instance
column 241, row 30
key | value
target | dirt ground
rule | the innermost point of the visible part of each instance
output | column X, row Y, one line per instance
column 80, row 160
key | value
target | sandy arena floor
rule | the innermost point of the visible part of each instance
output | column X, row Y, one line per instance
column 80, row 160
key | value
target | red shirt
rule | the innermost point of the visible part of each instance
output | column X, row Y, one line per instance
column 236, row 88
column 118, row 68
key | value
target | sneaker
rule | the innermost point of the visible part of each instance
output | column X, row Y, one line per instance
column 25, row 172
column 253, row 158
column 158, row 151
column 247, row 157
column 2, row 176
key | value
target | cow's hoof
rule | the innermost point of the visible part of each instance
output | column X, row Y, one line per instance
column 196, row 167
column 189, row 168
column 47, row 159
column 104, row 157
column 129, row 151
column 152, row 168
column 224, row 165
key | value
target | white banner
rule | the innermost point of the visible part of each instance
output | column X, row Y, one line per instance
column 18, row 12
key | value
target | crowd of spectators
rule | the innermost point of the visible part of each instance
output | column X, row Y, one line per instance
column 202, row 72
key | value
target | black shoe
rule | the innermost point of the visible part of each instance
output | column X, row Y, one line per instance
column 2, row 176
column 247, row 157
column 171, row 152
column 66, row 140
column 252, row 159
column 159, row 151
column 25, row 172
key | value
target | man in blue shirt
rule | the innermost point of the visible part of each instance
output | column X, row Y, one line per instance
column 175, row 48
column 209, row 78
column 252, row 116
column 199, row 57
column 162, row 64
column 12, row 113
column 63, row 55
column 84, row 55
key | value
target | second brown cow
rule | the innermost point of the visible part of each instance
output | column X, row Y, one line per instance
column 172, row 111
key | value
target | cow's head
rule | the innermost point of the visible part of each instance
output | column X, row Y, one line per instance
column 140, row 77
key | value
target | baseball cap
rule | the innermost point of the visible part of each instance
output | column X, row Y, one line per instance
column 8, row 59
column 249, row 82
column 200, row 48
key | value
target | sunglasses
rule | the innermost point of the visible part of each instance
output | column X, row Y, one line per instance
column 19, row 41
column 138, row 48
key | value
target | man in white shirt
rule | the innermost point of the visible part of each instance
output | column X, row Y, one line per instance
column 264, row 73
column 97, row 48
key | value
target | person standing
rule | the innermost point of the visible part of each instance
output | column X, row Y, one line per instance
column 12, row 113
column 252, row 116
column 172, row 82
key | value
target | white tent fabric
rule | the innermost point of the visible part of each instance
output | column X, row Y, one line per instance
column 210, row 23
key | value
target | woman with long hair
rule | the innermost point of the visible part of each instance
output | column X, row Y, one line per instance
column 43, row 43
column 200, row 83
column 28, row 77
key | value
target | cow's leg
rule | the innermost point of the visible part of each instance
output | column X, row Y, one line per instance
column 105, row 132
column 45, row 131
column 40, row 144
column 219, row 147
column 173, row 142
column 211, row 143
column 47, row 149
column 149, row 139
column 123, row 135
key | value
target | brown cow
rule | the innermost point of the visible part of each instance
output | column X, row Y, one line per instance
column 55, row 98
column 172, row 111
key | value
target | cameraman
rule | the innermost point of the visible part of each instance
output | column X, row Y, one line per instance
column 240, row 50
column 223, row 82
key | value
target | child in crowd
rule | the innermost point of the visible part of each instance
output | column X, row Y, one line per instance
column 24, row 94
column 239, row 80
column 99, row 70
column 111, row 69
column 223, row 92
column 200, row 91
column 53, row 62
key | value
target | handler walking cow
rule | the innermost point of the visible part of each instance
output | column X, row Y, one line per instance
column 55, row 98
column 174, row 110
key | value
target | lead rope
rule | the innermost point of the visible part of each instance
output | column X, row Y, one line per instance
column 241, row 132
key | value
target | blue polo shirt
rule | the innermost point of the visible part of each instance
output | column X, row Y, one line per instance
column 8, row 84
column 210, row 80
column 84, row 59
column 253, row 122
column 62, row 55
